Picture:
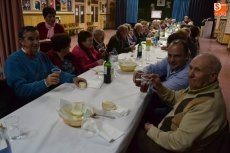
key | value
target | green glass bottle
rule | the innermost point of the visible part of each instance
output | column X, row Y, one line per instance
column 139, row 50
column 107, row 69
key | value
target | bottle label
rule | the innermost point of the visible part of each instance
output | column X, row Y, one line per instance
column 107, row 75
column 139, row 52
column 105, row 70
column 139, row 48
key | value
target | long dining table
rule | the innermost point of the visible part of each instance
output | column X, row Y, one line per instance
column 49, row 134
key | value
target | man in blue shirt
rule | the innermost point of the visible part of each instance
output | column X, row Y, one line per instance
column 28, row 70
column 173, row 71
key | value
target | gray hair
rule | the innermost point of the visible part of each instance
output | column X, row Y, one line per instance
column 138, row 25
column 122, row 28
column 98, row 32
column 214, row 62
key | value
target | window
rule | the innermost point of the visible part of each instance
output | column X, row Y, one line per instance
column 94, row 13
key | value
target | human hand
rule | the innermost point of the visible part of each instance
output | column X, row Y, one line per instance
column 156, row 81
column 132, row 47
column 77, row 80
column 147, row 126
column 52, row 79
column 137, row 74
column 102, row 50
column 100, row 61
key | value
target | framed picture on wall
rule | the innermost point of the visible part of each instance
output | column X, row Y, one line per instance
column 168, row 4
column 160, row 2
column 104, row 6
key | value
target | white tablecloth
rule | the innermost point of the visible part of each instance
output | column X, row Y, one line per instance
column 49, row 134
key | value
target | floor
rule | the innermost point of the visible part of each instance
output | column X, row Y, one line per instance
column 211, row 46
column 206, row 45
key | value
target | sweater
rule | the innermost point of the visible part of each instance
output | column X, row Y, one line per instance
column 84, row 63
column 197, row 115
column 25, row 75
column 69, row 64
column 121, row 45
column 46, row 46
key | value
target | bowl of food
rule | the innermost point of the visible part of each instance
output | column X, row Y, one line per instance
column 127, row 65
column 74, row 113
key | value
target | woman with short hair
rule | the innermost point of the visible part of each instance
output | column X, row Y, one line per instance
column 60, row 54
column 48, row 28
column 87, row 57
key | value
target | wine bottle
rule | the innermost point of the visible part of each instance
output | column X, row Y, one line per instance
column 139, row 50
column 107, row 69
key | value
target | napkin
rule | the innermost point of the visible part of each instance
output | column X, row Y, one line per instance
column 94, row 83
column 106, row 131
column 120, row 111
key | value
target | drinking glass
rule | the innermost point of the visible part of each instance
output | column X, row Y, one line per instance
column 14, row 131
column 137, row 78
column 56, row 70
column 145, row 81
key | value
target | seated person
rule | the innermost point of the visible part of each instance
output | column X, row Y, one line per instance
column 48, row 28
column 98, row 40
column 60, row 54
column 155, row 25
column 120, row 41
column 173, row 71
column 28, row 70
column 173, row 37
column 187, row 20
column 195, row 33
column 86, row 56
column 191, row 45
column 138, row 32
column 131, row 37
column 146, row 31
column 198, row 117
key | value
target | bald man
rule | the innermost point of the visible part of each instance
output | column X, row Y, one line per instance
column 198, row 119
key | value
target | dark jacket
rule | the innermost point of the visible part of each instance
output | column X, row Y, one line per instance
column 121, row 45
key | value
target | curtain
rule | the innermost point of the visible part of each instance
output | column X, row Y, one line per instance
column 11, row 19
column 180, row 9
column 200, row 9
column 132, row 11
column 121, row 6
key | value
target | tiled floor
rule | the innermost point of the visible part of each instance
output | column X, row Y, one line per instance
column 206, row 45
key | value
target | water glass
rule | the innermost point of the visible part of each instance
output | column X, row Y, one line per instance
column 4, row 141
column 56, row 70
column 13, row 130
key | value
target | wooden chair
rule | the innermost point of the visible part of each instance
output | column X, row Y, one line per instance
column 72, row 28
column 90, row 26
column 78, row 29
column 66, row 28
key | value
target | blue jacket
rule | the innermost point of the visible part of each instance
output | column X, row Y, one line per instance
column 25, row 75
column 174, row 80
